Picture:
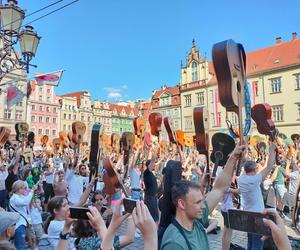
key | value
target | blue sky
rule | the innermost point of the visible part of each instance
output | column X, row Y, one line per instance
column 123, row 49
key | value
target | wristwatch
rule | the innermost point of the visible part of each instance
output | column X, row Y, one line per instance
column 64, row 236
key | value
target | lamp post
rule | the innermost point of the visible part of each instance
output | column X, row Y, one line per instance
column 11, row 18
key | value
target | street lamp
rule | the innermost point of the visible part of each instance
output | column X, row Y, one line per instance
column 11, row 18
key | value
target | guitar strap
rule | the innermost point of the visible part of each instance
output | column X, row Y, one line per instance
column 178, row 226
column 248, row 114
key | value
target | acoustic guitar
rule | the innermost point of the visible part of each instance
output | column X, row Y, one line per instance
column 4, row 135
column 44, row 140
column 63, row 139
column 201, row 123
column 229, row 60
column 78, row 130
column 173, row 136
column 155, row 120
column 21, row 131
column 223, row 145
column 126, row 145
column 115, row 142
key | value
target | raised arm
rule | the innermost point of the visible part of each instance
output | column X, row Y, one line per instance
column 271, row 161
column 222, row 183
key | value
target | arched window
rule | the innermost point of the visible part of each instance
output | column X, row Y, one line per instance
column 194, row 71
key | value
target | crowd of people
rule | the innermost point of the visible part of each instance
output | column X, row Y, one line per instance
column 172, row 190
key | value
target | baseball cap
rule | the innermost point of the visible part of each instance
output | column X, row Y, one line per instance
column 7, row 220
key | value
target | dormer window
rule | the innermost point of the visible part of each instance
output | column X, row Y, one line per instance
column 194, row 71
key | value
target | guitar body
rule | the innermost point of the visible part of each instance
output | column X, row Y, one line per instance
column 44, row 140
column 169, row 125
column 28, row 155
column 111, row 179
column 262, row 115
column 188, row 140
column 126, row 145
column 139, row 124
column 147, row 139
column 78, row 128
column 201, row 123
column 56, row 145
column 21, row 131
column 4, row 135
column 63, row 139
column 222, row 145
column 155, row 120
column 180, row 136
column 229, row 61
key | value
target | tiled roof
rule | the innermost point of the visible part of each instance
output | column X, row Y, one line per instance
column 77, row 95
column 172, row 90
column 127, row 109
column 281, row 55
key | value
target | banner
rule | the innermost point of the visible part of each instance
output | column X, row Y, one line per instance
column 52, row 78
column 14, row 95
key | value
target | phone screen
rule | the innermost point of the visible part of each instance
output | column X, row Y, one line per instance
column 250, row 222
column 79, row 213
column 129, row 205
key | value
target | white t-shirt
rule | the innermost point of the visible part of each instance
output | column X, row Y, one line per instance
column 54, row 229
column 249, row 186
column 76, row 184
column 49, row 178
column 134, row 178
column 227, row 202
column 36, row 217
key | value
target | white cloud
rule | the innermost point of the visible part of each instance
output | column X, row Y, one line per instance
column 116, row 94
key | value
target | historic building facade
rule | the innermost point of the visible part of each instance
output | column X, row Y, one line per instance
column 85, row 112
column 43, row 112
column 102, row 114
column 122, row 118
column 167, row 102
column 273, row 74
column 68, row 112
column 9, row 115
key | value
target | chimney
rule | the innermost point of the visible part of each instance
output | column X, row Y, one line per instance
column 278, row 40
column 294, row 35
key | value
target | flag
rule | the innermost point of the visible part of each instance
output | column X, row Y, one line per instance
column 52, row 78
column 14, row 95
column 216, row 110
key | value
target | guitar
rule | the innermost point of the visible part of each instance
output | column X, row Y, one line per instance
column 126, row 144
column 262, row 115
column 56, row 146
column 172, row 136
column 180, row 135
column 63, row 139
column 115, row 142
column 139, row 124
column 28, row 153
column 155, row 120
column 201, row 123
column 296, row 140
column 44, row 140
column 4, row 135
column 261, row 151
column 111, row 178
column 95, row 152
column 78, row 130
column 188, row 140
column 229, row 60
column 21, row 132
column 70, row 138
column 222, row 145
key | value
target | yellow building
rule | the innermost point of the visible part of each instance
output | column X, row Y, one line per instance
column 274, row 77
column 102, row 114
column 68, row 112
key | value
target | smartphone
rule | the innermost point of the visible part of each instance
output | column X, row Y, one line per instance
column 250, row 222
column 129, row 205
column 79, row 213
column 103, row 209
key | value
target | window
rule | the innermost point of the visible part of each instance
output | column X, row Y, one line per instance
column 89, row 118
column 32, row 107
column 82, row 118
column 53, row 132
column 47, row 119
column 188, row 122
column 65, row 116
column 200, row 98
column 47, row 131
column 74, row 117
column 7, row 114
column 54, row 120
column 65, row 127
column 20, row 104
column 40, row 132
column 40, row 108
column 216, row 119
column 40, row 98
column 234, row 119
column 40, row 89
column 70, row 116
column 194, row 71
column 48, row 99
column 176, row 124
column 255, row 88
column 40, row 119
column 19, row 115
column 277, row 113
column 188, row 100
column 54, row 110
column 176, row 113
column 48, row 91
column 33, row 118
column 276, row 85
column 298, row 106
column 297, row 81
column 48, row 109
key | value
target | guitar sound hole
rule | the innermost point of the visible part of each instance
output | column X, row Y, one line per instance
column 219, row 155
column 238, row 86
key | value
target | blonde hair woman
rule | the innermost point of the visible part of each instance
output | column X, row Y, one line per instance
column 18, row 203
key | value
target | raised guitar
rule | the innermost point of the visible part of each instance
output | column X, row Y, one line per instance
column 126, row 145
column 155, row 120
column 4, row 135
